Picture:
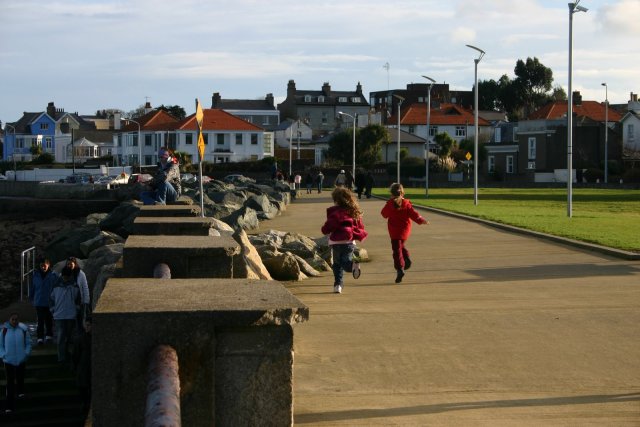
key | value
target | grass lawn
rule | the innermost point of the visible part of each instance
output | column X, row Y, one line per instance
column 602, row 216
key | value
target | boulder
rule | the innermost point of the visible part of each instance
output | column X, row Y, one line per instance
column 106, row 272
column 103, row 238
column 252, row 261
column 108, row 254
column 283, row 266
column 305, row 267
column 67, row 242
column 95, row 218
column 120, row 220
column 245, row 218
column 263, row 206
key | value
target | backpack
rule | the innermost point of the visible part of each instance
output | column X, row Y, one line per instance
column 4, row 334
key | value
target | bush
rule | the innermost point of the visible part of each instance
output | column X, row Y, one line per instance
column 593, row 174
column 43, row 159
column 632, row 175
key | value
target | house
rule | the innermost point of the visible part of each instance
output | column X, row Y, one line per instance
column 412, row 143
column 631, row 133
column 261, row 112
column 319, row 108
column 542, row 139
column 53, row 130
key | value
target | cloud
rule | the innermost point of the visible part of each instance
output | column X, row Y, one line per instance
column 621, row 18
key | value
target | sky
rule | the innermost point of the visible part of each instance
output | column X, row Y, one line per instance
column 89, row 55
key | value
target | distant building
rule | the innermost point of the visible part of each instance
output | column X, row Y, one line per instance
column 261, row 112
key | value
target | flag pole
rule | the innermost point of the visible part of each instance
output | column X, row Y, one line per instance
column 199, row 116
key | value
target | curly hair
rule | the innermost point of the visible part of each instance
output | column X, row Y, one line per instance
column 343, row 197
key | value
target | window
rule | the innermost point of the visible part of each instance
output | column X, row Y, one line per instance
column 324, row 118
column 342, row 99
column 412, row 129
column 531, row 150
column 630, row 132
column 433, row 130
column 307, row 98
column 355, row 99
column 254, row 139
column 188, row 139
column 205, row 136
column 47, row 142
column 498, row 135
column 266, row 142
column 421, row 99
column 134, row 138
column 321, row 99
column 238, row 139
column 515, row 134
column 509, row 167
column 461, row 131
column 147, row 140
column 491, row 164
column 220, row 139
column 44, row 126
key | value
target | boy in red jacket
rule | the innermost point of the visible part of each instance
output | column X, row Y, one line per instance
column 343, row 225
column 399, row 213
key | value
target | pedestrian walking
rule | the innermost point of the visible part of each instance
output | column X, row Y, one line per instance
column 344, row 226
column 341, row 179
column 320, row 181
column 308, row 182
column 360, row 183
column 42, row 282
column 15, row 348
column 369, row 181
column 399, row 213
column 65, row 296
column 85, row 297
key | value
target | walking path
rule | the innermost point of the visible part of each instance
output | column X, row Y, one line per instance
column 488, row 328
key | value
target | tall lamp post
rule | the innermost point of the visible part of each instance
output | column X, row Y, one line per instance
column 606, row 132
column 400, row 99
column 139, row 144
column 13, row 155
column 573, row 8
column 426, row 151
column 73, row 148
column 475, row 119
column 290, row 147
column 354, row 118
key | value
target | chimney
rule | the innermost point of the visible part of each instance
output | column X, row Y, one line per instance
column 116, row 121
column 51, row 109
column 291, row 89
column 577, row 98
column 270, row 99
column 634, row 97
column 326, row 89
column 147, row 107
column 215, row 100
column 359, row 89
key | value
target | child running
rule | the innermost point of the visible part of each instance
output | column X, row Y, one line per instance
column 399, row 213
column 344, row 225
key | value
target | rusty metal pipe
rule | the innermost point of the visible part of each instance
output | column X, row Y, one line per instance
column 163, row 389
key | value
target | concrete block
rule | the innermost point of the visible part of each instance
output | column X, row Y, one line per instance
column 187, row 257
column 169, row 210
column 234, row 343
column 175, row 226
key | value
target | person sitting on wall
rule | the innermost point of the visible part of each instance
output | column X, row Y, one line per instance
column 166, row 181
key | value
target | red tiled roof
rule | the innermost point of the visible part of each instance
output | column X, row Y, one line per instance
column 445, row 114
column 154, row 120
column 216, row 119
column 591, row 109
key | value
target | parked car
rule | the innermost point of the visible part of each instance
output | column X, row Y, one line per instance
column 2, row 177
column 141, row 178
column 188, row 178
column 112, row 180
column 234, row 179
column 78, row 178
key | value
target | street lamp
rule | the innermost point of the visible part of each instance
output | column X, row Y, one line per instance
column 15, row 170
column 354, row 118
column 573, row 8
column 426, row 152
column 139, row 143
column 606, row 132
column 475, row 119
column 400, row 99
column 290, row 145
column 73, row 149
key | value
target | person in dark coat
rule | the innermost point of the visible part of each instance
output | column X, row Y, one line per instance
column 360, row 182
column 369, row 181
column 39, row 291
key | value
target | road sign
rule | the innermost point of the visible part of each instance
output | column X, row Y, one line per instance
column 468, row 156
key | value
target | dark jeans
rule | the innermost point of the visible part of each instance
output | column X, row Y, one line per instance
column 64, row 330
column 15, row 383
column 45, row 322
column 400, row 253
column 164, row 193
column 342, row 261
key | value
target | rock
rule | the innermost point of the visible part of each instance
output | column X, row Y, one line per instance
column 263, row 206
column 283, row 267
column 104, row 238
column 245, row 218
column 106, row 272
column 108, row 254
column 120, row 220
column 253, row 265
column 305, row 267
column 95, row 218
column 67, row 243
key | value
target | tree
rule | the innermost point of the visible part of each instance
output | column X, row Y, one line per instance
column 445, row 144
column 533, row 81
column 489, row 95
column 175, row 110
column 369, row 141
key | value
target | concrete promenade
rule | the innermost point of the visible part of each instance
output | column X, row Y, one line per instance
column 488, row 328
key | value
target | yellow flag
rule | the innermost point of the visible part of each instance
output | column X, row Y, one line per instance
column 199, row 119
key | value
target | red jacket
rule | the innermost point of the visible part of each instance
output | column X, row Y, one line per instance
column 399, row 218
column 341, row 227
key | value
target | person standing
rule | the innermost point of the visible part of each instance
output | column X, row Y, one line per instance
column 341, row 179
column 349, row 180
column 15, row 348
column 344, row 226
column 399, row 213
column 368, row 184
column 166, row 181
column 360, row 182
column 320, row 181
column 64, row 298
column 297, row 180
column 83, row 287
column 308, row 182
column 39, row 291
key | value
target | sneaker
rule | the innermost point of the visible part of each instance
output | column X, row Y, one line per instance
column 399, row 276
column 337, row 289
column 355, row 269
column 40, row 341
column 407, row 263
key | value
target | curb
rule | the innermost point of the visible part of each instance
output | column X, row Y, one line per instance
column 592, row 247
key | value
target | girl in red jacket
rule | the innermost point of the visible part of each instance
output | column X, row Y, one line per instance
column 344, row 225
column 399, row 213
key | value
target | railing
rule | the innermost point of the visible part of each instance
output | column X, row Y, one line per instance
column 27, row 267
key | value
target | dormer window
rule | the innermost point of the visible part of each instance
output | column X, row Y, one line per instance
column 321, row 99
column 355, row 99
column 307, row 98
column 342, row 99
